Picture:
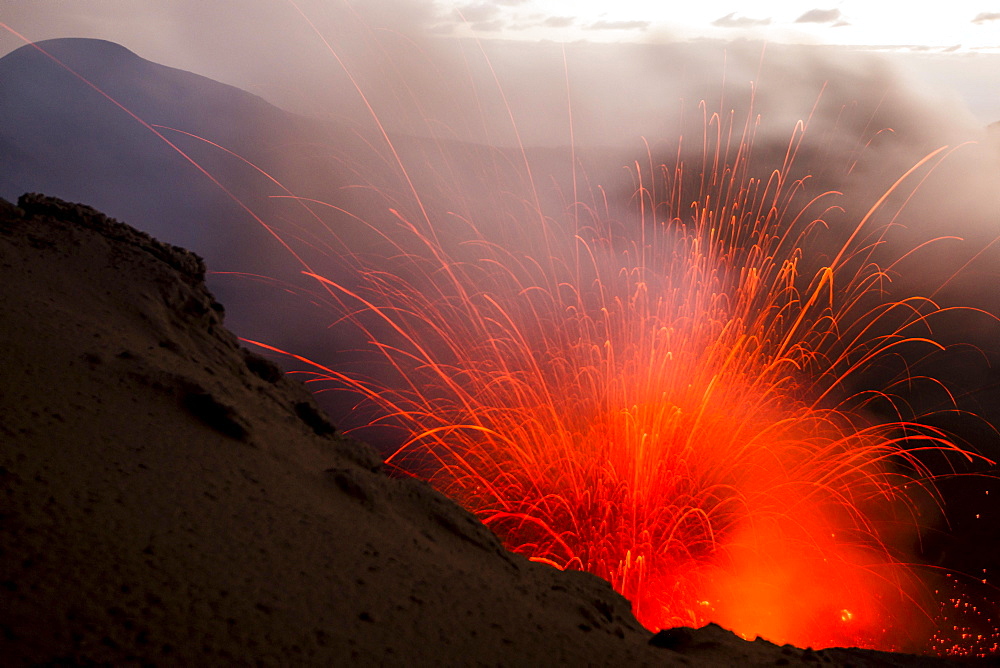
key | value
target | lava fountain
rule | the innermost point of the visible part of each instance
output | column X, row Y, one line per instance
column 662, row 398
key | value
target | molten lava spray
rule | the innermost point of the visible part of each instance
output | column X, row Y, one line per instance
column 662, row 400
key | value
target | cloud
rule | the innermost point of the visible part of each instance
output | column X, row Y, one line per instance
column 495, row 25
column 619, row 25
column 819, row 16
column 559, row 21
column 731, row 20
column 985, row 17
column 484, row 16
column 487, row 12
column 441, row 29
column 477, row 12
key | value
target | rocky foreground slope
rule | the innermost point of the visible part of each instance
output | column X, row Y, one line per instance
column 167, row 497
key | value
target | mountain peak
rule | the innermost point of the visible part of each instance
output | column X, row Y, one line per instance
column 80, row 50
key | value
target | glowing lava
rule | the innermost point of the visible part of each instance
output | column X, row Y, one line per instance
column 661, row 401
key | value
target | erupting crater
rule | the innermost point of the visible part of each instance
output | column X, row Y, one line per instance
column 664, row 400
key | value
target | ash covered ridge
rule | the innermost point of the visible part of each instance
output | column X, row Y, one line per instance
column 171, row 498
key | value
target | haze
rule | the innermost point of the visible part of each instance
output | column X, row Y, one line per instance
column 952, row 49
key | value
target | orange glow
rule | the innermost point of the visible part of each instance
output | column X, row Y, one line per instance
column 661, row 400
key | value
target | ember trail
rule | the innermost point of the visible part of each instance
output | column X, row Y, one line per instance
column 660, row 398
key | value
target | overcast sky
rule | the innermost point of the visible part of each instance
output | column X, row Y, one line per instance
column 960, row 24
column 953, row 45
column 956, row 25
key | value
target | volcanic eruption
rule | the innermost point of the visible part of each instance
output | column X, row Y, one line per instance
column 662, row 396
column 666, row 383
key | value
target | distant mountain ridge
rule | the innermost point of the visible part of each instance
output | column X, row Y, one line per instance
column 59, row 135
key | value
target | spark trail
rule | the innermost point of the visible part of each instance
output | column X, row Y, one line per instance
column 662, row 399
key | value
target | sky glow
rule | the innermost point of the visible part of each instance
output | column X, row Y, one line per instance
column 268, row 47
column 960, row 25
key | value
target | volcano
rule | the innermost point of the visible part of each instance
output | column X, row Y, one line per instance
column 172, row 498
column 224, row 147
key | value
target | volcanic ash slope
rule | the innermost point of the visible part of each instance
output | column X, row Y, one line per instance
column 169, row 498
